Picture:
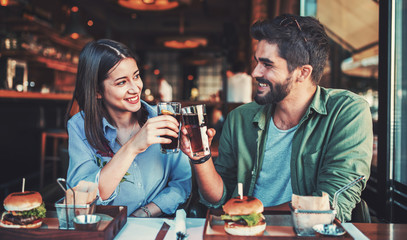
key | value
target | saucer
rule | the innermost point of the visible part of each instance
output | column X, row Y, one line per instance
column 329, row 229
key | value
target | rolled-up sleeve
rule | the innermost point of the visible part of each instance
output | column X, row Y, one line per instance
column 179, row 183
column 348, row 156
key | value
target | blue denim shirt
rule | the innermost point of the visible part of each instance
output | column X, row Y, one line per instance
column 164, row 179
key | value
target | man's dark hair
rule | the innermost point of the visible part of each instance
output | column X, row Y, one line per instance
column 300, row 40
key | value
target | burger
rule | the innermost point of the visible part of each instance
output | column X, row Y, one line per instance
column 23, row 210
column 244, row 217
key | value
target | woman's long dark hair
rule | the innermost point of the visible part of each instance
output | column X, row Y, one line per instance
column 96, row 60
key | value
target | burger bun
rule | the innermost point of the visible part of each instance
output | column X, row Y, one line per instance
column 22, row 201
column 6, row 224
column 245, row 206
column 242, row 230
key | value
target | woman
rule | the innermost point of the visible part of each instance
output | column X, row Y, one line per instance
column 114, row 139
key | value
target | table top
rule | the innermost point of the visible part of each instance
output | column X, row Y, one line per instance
column 148, row 228
column 382, row 230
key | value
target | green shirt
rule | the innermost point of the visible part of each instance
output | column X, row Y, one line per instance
column 331, row 147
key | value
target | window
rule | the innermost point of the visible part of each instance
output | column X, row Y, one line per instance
column 400, row 94
column 210, row 79
column 397, row 113
column 168, row 65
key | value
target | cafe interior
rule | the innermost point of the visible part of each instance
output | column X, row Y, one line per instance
column 192, row 43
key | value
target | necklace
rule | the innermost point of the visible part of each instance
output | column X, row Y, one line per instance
column 130, row 135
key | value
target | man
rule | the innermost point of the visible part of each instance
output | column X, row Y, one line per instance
column 164, row 89
column 297, row 137
column 239, row 88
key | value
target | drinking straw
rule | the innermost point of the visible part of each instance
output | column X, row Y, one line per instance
column 23, row 184
column 240, row 190
column 344, row 188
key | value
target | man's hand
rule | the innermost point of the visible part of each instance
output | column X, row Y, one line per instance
column 185, row 144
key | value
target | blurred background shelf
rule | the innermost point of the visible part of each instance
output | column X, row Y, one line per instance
column 35, row 95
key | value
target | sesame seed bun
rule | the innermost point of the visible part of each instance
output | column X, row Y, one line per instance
column 22, row 201
column 245, row 206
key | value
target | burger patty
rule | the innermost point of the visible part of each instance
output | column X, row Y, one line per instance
column 19, row 220
column 242, row 222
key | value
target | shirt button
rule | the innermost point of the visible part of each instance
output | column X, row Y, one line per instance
column 138, row 184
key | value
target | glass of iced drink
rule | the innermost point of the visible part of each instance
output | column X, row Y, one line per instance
column 173, row 109
column 195, row 121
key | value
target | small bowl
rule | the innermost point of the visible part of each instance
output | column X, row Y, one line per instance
column 86, row 222
column 329, row 229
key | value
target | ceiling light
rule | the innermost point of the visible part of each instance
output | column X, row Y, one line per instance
column 148, row 1
column 184, row 42
column 74, row 27
column 149, row 5
column 5, row 3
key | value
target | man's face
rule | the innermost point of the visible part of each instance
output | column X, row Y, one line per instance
column 271, row 73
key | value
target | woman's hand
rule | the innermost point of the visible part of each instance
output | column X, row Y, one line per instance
column 154, row 131
column 185, row 144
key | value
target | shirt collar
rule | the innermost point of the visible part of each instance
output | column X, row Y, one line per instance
column 110, row 131
column 319, row 102
column 263, row 116
column 318, row 105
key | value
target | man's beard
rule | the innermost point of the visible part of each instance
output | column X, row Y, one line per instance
column 276, row 94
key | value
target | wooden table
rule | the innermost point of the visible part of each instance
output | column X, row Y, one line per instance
column 383, row 230
column 371, row 230
column 107, row 229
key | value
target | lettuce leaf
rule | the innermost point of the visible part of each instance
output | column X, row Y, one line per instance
column 39, row 212
column 251, row 219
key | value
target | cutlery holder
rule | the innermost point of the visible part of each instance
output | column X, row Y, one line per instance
column 67, row 212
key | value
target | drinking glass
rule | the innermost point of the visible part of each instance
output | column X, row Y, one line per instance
column 195, row 121
column 173, row 109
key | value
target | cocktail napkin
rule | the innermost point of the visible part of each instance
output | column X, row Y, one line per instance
column 85, row 193
column 311, row 202
column 180, row 225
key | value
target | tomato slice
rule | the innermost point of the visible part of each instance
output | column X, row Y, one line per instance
column 37, row 220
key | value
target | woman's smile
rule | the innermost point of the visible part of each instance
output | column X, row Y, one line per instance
column 133, row 100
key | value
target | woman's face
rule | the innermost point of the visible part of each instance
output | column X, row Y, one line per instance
column 122, row 88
